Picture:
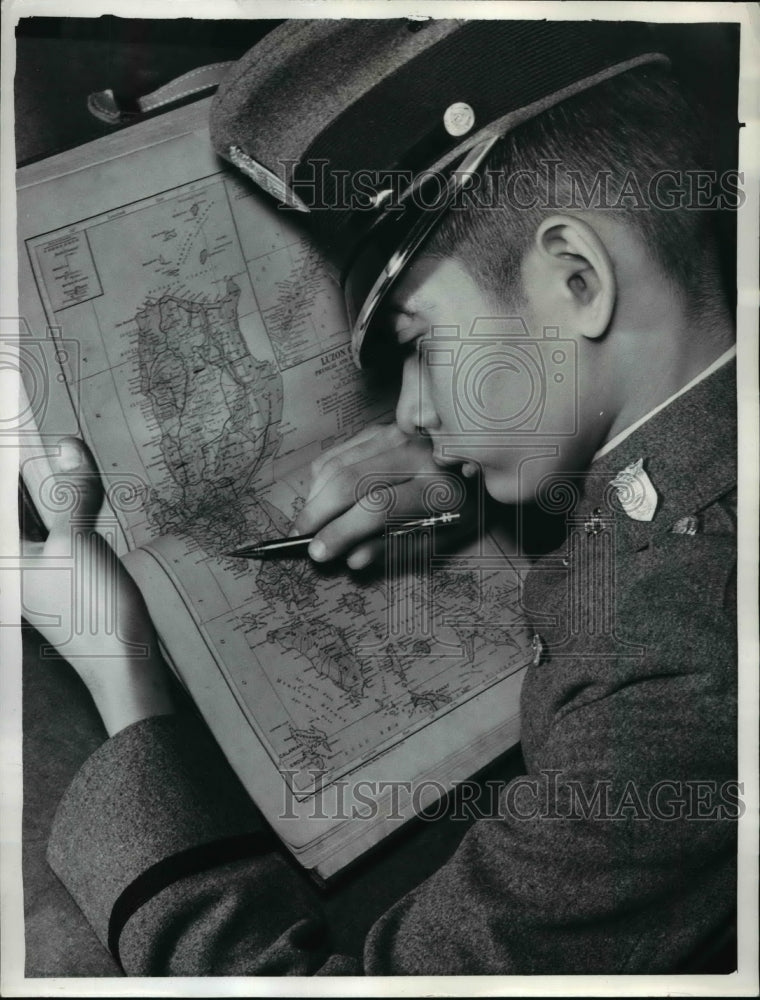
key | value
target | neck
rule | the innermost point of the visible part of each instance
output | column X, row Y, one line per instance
column 654, row 364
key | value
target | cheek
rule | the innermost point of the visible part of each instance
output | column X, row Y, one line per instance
column 502, row 394
column 485, row 393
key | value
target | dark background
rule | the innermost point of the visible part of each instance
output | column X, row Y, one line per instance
column 60, row 61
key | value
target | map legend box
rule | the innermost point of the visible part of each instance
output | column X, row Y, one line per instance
column 66, row 268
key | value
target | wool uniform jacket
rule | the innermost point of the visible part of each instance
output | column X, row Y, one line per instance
column 615, row 853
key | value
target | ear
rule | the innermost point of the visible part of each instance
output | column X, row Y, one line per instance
column 576, row 271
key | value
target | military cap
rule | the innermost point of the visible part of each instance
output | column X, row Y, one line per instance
column 370, row 127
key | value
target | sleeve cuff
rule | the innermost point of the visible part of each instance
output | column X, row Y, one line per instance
column 155, row 803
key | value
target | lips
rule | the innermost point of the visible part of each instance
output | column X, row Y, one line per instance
column 446, row 461
column 469, row 469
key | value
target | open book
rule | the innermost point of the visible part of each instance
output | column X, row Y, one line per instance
column 186, row 328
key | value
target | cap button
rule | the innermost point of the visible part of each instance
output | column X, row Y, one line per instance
column 458, row 118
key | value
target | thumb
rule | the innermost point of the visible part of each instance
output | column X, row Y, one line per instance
column 78, row 487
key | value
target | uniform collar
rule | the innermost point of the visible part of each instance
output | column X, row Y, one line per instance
column 689, row 454
column 727, row 356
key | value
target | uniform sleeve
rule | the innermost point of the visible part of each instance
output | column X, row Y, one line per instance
column 173, row 865
column 614, row 854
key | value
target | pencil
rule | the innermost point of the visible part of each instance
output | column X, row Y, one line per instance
column 297, row 543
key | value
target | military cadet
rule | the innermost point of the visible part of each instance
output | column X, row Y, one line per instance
column 536, row 175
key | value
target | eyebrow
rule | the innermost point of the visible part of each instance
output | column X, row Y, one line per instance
column 410, row 332
column 412, row 307
column 389, row 315
column 415, row 306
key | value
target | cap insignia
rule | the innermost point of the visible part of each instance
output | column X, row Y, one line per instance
column 458, row 118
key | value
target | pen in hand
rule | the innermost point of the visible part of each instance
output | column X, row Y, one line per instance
column 298, row 543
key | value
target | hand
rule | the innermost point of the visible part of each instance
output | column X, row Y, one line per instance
column 356, row 485
column 76, row 592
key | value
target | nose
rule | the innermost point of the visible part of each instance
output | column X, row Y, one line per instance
column 415, row 411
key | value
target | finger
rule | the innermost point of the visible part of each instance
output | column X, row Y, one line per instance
column 368, row 434
column 363, row 446
column 366, row 554
column 362, row 523
column 346, row 533
column 345, row 488
column 371, row 465
column 77, row 478
column 339, row 453
column 372, row 550
column 336, row 497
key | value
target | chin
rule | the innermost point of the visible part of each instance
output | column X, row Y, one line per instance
column 504, row 487
column 516, row 485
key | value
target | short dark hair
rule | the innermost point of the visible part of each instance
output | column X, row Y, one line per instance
column 639, row 124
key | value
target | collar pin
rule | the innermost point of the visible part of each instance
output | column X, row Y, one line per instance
column 635, row 491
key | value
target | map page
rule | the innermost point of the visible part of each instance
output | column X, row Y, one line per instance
column 214, row 367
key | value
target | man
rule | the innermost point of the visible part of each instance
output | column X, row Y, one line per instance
column 616, row 852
